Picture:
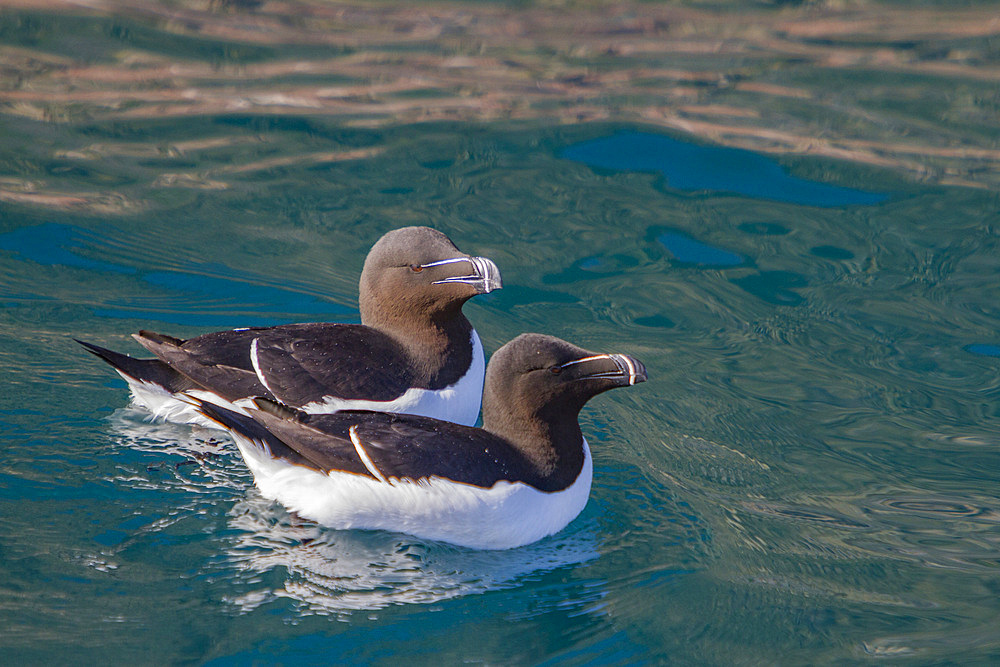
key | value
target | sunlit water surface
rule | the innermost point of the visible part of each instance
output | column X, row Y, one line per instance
column 809, row 476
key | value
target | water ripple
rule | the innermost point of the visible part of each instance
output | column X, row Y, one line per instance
column 930, row 507
column 274, row 555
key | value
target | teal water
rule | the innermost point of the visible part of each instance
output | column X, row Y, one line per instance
column 810, row 476
column 810, row 472
column 689, row 166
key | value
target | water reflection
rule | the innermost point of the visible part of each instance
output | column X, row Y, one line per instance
column 777, row 287
column 192, row 293
column 984, row 349
column 686, row 250
column 689, row 166
column 177, row 457
column 329, row 571
column 55, row 244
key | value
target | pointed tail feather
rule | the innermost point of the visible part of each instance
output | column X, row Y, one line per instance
column 252, row 432
column 152, row 340
column 142, row 370
column 230, row 420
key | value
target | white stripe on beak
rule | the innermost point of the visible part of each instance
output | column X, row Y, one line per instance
column 624, row 364
column 485, row 275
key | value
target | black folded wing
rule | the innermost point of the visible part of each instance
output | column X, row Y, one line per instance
column 302, row 364
column 219, row 362
column 396, row 447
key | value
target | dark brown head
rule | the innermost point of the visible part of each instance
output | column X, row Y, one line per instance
column 418, row 272
column 547, row 380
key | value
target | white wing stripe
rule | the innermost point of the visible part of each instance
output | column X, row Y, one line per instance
column 256, row 366
column 364, row 455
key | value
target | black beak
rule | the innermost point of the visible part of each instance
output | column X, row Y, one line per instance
column 484, row 275
column 623, row 368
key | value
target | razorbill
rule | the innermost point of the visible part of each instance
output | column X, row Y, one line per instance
column 524, row 475
column 414, row 351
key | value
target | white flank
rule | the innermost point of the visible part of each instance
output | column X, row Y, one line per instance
column 505, row 516
column 458, row 403
column 178, row 408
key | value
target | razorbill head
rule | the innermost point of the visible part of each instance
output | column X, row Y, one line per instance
column 524, row 475
column 414, row 351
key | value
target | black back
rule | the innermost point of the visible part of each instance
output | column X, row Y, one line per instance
column 399, row 446
column 304, row 363
column 300, row 363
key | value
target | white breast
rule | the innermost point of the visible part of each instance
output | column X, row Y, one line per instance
column 504, row 516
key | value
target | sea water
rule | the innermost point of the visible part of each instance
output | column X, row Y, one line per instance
column 810, row 475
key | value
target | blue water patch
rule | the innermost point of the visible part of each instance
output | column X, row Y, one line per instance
column 216, row 321
column 689, row 166
column 688, row 251
column 243, row 291
column 21, row 411
column 595, row 266
column 831, row 252
column 774, row 286
column 111, row 538
column 658, row 321
column 55, row 244
column 984, row 350
column 19, row 488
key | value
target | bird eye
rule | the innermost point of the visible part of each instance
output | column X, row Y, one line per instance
column 416, row 268
column 555, row 370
